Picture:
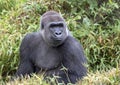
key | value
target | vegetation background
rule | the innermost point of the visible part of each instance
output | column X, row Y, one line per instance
column 95, row 23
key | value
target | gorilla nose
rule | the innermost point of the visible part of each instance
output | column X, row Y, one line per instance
column 58, row 33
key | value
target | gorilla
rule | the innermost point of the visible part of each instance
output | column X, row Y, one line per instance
column 52, row 50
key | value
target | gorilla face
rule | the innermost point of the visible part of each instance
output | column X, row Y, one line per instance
column 54, row 32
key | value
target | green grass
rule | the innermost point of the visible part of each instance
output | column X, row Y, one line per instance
column 111, row 77
column 100, row 36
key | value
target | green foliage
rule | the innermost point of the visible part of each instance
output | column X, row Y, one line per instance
column 5, row 6
column 9, row 4
column 111, row 77
column 95, row 23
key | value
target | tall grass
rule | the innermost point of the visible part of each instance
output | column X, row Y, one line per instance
column 96, row 27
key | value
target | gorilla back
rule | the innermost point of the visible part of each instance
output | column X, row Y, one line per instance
column 51, row 49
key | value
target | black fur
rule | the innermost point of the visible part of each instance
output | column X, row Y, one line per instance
column 36, row 55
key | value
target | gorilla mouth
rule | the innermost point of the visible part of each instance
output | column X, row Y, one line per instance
column 55, row 39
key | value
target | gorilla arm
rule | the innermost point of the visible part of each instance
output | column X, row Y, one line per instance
column 25, row 66
column 74, row 59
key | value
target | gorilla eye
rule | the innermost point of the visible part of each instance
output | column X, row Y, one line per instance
column 56, row 25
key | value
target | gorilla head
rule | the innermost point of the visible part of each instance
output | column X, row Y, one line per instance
column 54, row 29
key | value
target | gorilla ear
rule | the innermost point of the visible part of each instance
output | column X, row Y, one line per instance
column 42, row 26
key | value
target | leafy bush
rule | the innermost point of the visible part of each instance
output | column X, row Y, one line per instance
column 95, row 23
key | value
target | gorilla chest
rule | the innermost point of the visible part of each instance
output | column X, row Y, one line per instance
column 46, row 58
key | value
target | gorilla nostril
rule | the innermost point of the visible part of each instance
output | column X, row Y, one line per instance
column 58, row 33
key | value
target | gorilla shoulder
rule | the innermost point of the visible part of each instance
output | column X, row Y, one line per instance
column 32, row 39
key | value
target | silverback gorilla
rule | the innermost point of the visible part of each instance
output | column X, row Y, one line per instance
column 51, row 49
